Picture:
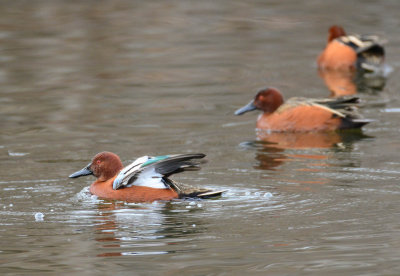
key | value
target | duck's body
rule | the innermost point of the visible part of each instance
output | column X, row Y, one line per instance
column 351, row 52
column 103, row 189
column 145, row 180
column 303, row 115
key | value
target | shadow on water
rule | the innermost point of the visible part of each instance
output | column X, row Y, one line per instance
column 274, row 149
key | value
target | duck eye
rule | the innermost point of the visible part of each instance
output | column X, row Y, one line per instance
column 261, row 98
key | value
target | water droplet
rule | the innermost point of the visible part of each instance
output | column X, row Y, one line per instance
column 268, row 195
column 39, row 216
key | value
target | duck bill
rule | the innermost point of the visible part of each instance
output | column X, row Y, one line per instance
column 85, row 171
column 249, row 107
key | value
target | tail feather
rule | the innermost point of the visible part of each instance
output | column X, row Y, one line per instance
column 211, row 194
column 187, row 191
column 348, row 123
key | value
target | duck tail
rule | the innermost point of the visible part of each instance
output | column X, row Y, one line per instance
column 188, row 191
column 348, row 123
column 211, row 194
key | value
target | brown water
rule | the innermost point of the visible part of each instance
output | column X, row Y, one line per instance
column 136, row 78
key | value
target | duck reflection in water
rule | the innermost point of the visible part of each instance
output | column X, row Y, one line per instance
column 342, row 83
column 352, row 63
column 135, row 229
column 272, row 148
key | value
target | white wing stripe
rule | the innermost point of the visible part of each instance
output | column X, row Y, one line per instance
column 134, row 166
column 146, row 176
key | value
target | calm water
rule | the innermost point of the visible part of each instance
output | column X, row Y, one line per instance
column 136, row 78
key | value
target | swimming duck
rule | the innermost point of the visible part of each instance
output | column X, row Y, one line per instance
column 144, row 180
column 302, row 114
column 350, row 52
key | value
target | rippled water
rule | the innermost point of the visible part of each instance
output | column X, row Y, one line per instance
column 160, row 77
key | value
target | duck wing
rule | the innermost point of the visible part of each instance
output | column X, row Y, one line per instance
column 369, row 49
column 339, row 106
column 154, row 171
column 344, row 107
column 361, row 43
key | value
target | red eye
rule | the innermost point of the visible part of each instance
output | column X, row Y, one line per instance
column 98, row 162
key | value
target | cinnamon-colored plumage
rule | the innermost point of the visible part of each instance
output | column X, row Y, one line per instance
column 103, row 189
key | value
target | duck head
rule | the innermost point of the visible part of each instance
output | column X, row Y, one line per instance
column 104, row 166
column 267, row 100
column 335, row 32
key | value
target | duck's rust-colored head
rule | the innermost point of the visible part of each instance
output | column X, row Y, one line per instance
column 104, row 166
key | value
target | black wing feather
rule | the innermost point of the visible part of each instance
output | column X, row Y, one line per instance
column 178, row 163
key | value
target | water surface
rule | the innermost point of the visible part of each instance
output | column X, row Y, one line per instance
column 160, row 77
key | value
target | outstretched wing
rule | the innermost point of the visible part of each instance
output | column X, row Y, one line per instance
column 177, row 163
column 153, row 171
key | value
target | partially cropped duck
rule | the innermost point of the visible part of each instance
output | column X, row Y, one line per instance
column 351, row 52
column 145, row 180
column 302, row 114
